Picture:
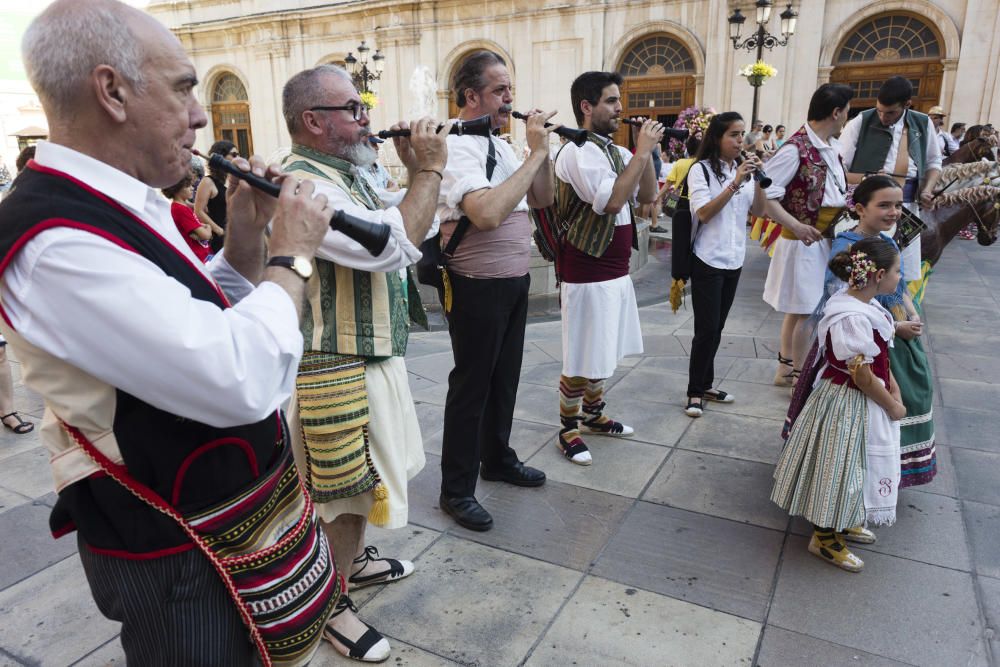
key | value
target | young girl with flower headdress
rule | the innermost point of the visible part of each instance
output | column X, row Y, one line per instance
column 840, row 466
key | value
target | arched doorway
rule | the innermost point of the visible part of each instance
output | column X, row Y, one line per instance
column 886, row 45
column 659, row 74
column 231, row 113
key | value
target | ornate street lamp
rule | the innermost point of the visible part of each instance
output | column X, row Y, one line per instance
column 761, row 37
column 358, row 67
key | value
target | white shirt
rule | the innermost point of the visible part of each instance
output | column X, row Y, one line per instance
column 849, row 144
column 946, row 140
column 398, row 253
column 588, row 169
column 721, row 241
column 784, row 164
column 466, row 172
column 117, row 316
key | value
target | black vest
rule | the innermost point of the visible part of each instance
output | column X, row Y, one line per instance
column 155, row 445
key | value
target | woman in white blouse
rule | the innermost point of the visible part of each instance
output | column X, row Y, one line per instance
column 721, row 196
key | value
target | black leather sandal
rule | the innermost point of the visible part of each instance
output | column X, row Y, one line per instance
column 22, row 426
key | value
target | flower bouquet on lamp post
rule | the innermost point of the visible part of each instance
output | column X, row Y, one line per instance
column 369, row 99
column 758, row 73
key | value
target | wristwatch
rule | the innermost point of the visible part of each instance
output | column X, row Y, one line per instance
column 300, row 265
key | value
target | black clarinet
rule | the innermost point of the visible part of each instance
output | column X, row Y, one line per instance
column 758, row 173
column 373, row 236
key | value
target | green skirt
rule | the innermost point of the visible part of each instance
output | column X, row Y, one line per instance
column 912, row 371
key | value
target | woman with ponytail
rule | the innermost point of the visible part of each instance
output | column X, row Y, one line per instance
column 840, row 467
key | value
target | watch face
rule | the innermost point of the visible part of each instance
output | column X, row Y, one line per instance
column 303, row 267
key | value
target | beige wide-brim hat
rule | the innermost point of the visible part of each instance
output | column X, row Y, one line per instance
column 936, row 111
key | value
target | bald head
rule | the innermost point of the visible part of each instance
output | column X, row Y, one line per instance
column 71, row 38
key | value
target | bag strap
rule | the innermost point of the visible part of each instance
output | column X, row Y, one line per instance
column 120, row 474
column 697, row 229
column 464, row 222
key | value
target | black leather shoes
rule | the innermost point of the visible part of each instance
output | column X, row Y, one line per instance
column 518, row 475
column 467, row 512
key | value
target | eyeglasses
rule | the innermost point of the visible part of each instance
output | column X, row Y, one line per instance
column 356, row 108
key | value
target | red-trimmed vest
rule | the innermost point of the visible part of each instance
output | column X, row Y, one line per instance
column 190, row 464
column 804, row 193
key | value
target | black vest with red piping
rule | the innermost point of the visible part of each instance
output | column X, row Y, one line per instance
column 190, row 464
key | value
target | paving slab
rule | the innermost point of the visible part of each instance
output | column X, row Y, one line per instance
column 402, row 543
column 622, row 466
column 736, row 436
column 403, row 655
column 606, row 623
column 694, row 557
column 449, row 610
column 752, row 400
column 50, row 618
column 758, row 371
column 970, row 429
column 10, row 499
column 109, row 655
column 966, row 367
column 989, row 591
column 731, row 346
column 537, row 403
column 654, row 423
column 941, row 624
column 781, row 648
column 28, row 473
column 719, row 486
column 655, row 386
column 983, row 525
column 28, row 401
column 559, row 523
column 12, row 444
column 28, row 545
column 977, row 475
column 971, row 395
column 425, row 490
column 944, row 482
column 929, row 528
column 681, row 364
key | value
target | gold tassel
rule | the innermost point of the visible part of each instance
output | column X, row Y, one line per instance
column 379, row 514
column 447, row 290
column 676, row 293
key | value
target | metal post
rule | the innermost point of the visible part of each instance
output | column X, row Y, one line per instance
column 756, row 89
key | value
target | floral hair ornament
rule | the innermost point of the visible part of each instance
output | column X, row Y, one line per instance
column 862, row 268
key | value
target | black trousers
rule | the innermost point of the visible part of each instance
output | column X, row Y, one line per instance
column 174, row 610
column 486, row 324
column 712, row 293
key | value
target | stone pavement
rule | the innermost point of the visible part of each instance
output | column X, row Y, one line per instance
column 666, row 551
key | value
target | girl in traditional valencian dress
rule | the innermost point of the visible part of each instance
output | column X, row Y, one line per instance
column 840, row 466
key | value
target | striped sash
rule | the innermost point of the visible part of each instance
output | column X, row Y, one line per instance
column 267, row 547
column 333, row 411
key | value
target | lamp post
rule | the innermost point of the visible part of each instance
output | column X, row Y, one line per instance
column 358, row 67
column 761, row 37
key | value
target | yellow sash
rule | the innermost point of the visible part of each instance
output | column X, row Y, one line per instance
column 827, row 216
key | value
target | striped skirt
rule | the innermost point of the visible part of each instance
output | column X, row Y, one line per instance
column 821, row 471
column 912, row 371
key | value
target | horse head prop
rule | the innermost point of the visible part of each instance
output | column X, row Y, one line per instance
column 974, row 150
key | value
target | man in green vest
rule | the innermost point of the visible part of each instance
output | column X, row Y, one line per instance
column 359, row 441
column 596, row 185
column 894, row 139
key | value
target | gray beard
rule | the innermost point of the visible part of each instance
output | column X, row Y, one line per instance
column 360, row 154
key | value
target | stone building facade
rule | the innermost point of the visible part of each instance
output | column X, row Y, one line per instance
column 674, row 52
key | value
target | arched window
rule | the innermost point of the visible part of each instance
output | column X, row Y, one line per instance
column 231, row 113
column 657, row 55
column 892, row 37
column 890, row 45
column 659, row 80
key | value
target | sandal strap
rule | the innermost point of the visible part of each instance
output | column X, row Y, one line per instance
column 785, row 361
column 370, row 553
column 700, row 405
column 361, row 647
column 395, row 570
column 595, row 409
column 572, row 447
column 610, row 426
column 343, row 604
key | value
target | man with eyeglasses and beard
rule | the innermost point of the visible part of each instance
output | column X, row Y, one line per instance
column 359, row 441
column 596, row 185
